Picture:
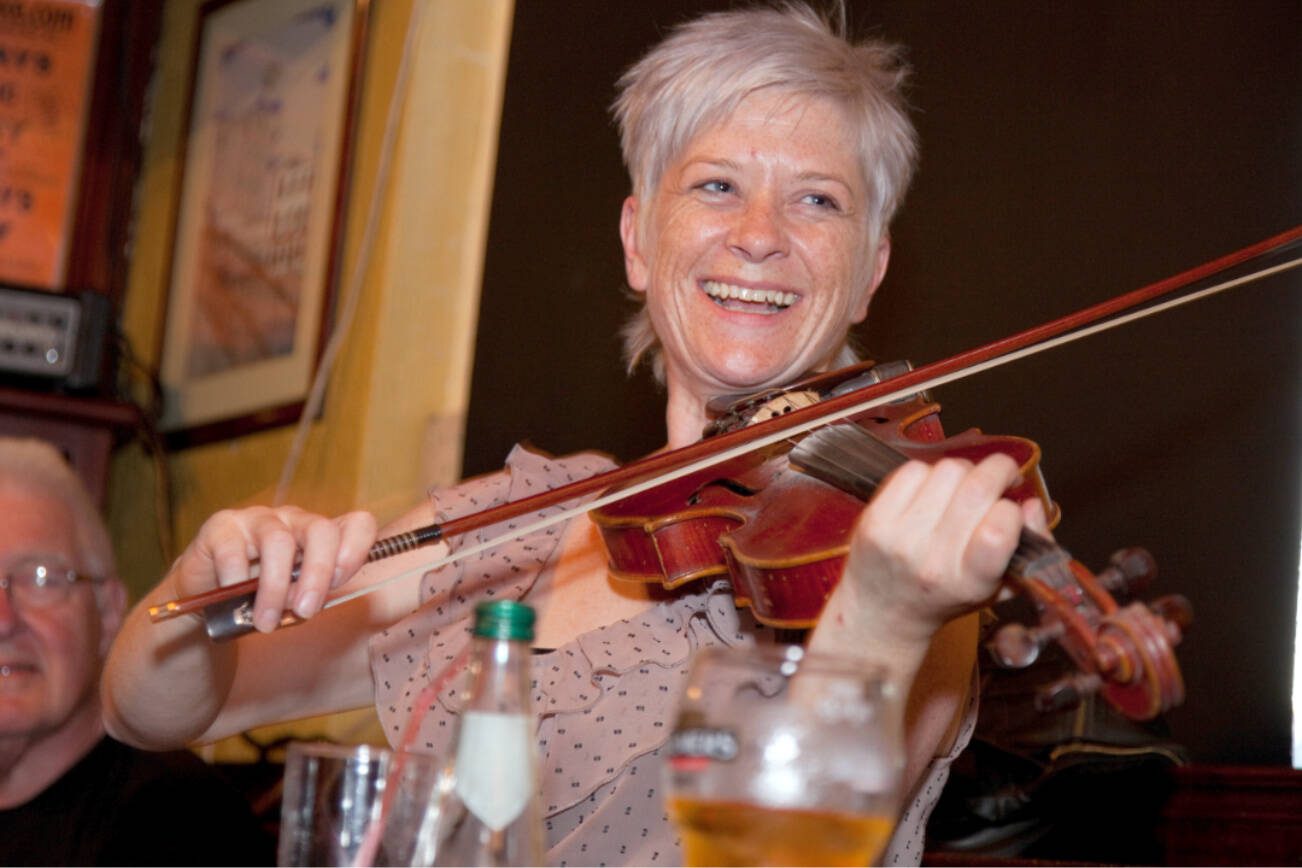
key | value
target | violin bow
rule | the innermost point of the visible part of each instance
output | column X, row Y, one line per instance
column 228, row 611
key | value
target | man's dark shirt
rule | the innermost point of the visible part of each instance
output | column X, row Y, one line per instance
column 122, row 806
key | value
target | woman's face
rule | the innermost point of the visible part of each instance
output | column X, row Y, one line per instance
column 754, row 249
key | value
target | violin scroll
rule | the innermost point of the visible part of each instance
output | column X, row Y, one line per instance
column 1125, row 653
column 1016, row 646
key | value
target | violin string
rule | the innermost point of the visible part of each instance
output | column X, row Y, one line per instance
column 768, row 440
column 851, row 452
column 1036, row 554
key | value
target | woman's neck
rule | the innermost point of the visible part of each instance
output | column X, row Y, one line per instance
column 685, row 416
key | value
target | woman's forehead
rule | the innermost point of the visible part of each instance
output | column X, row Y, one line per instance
column 816, row 127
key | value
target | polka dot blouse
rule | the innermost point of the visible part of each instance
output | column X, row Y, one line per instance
column 605, row 701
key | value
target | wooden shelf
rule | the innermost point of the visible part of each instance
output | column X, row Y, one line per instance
column 85, row 429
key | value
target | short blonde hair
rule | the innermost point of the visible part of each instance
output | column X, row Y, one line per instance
column 35, row 466
column 702, row 71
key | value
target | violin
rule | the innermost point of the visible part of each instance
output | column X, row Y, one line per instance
column 1123, row 650
column 778, row 521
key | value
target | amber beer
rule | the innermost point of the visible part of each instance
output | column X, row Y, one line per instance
column 783, row 757
column 736, row 833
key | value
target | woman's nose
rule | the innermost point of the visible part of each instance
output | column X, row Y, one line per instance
column 759, row 231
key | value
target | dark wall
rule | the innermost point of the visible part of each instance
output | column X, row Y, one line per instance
column 1071, row 151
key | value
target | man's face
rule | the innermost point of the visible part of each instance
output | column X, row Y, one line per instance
column 50, row 657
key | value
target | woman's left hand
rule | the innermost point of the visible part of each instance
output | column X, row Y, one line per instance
column 934, row 543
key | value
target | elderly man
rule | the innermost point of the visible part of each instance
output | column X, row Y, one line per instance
column 70, row 795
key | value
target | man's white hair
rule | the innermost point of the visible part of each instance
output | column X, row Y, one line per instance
column 36, row 467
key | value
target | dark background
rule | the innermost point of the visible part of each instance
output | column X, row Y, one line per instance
column 1070, row 152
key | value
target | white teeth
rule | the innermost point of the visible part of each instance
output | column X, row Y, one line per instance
column 726, row 291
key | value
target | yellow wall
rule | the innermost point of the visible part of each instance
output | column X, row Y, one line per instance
column 393, row 416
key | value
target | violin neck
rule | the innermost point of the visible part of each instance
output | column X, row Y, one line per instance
column 855, row 460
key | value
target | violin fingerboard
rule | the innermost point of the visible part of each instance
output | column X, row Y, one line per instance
column 848, row 457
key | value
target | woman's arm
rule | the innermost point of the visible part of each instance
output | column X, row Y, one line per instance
column 167, row 685
column 930, row 549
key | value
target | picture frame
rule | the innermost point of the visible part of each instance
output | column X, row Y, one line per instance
column 50, row 53
column 260, row 213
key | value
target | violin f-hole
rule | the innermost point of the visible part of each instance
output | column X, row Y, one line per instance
column 727, row 484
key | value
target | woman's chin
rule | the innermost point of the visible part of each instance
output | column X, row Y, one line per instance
column 720, row 370
column 750, row 376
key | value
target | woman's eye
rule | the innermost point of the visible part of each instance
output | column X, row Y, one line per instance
column 716, row 186
column 822, row 200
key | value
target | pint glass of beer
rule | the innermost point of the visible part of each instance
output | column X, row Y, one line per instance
column 782, row 757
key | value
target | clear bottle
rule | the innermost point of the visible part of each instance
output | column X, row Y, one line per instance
column 492, row 814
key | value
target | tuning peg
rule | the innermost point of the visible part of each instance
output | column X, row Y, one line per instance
column 1067, row 692
column 1129, row 572
column 1016, row 646
column 1176, row 613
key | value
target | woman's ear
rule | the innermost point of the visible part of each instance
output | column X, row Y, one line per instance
column 879, row 274
column 635, row 269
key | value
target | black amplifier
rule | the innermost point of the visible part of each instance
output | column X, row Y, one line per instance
column 54, row 339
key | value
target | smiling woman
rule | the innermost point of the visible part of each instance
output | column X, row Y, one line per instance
column 1067, row 155
column 778, row 181
column 770, row 205
column 771, row 190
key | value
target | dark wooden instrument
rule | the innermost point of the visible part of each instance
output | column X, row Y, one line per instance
column 778, row 522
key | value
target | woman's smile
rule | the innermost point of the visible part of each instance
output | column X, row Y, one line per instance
column 746, row 299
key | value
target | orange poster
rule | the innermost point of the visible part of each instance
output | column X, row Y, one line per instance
column 47, row 52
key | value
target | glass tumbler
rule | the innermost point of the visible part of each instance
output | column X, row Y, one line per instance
column 782, row 757
column 334, row 796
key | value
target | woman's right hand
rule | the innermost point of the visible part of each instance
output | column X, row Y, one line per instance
column 329, row 551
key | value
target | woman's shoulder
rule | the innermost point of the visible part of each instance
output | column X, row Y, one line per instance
column 527, row 462
column 527, row 471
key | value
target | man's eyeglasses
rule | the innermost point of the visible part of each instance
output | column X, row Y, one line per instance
column 35, row 583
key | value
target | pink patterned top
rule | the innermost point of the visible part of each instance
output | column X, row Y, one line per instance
column 605, row 701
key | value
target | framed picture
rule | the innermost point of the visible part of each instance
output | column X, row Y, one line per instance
column 47, row 54
column 260, row 212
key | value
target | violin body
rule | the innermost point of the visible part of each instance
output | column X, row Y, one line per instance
column 777, row 521
column 714, row 524
column 781, row 534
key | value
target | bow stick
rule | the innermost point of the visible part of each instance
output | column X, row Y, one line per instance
column 228, row 611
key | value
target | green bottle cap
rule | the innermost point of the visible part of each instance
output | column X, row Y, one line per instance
column 504, row 619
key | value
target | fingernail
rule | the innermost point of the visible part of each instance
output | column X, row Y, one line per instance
column 306, row 604
column 266, row 621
